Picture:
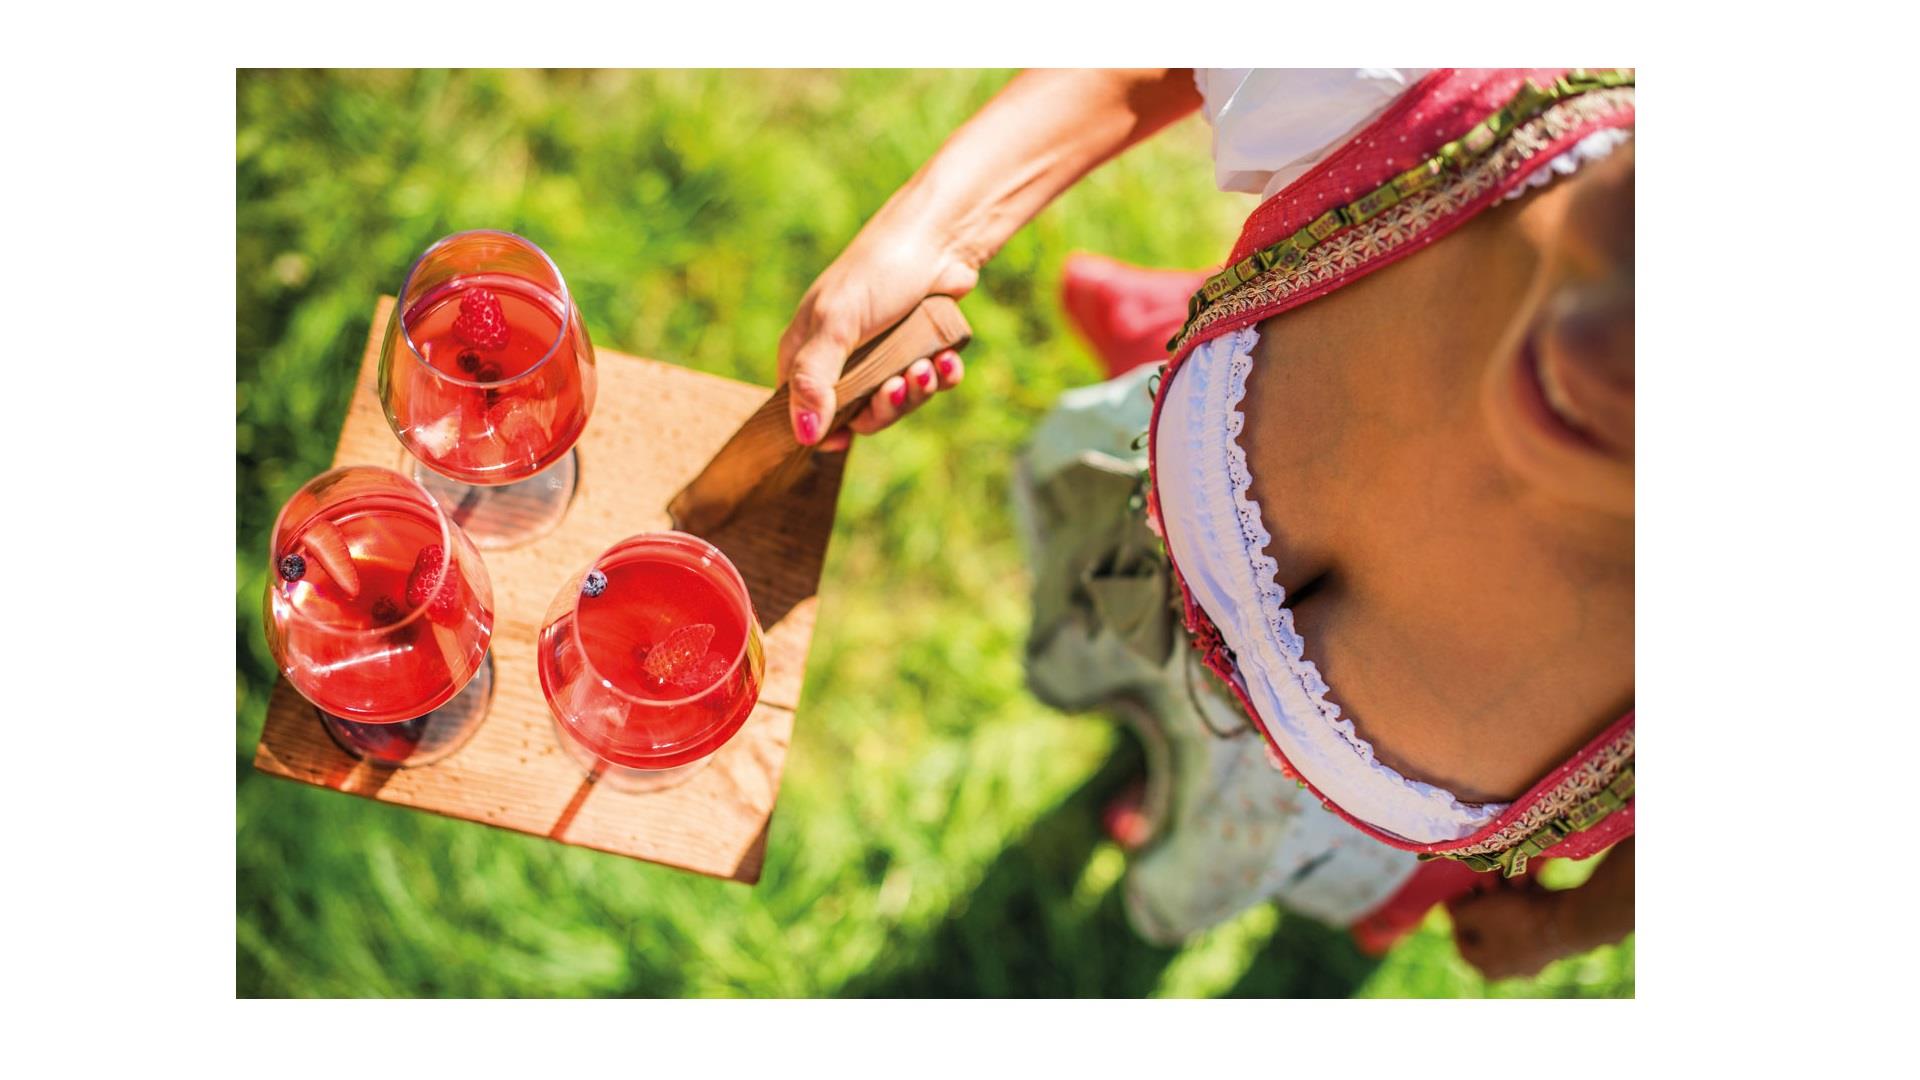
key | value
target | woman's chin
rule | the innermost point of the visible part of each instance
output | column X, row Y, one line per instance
column 1545, row 452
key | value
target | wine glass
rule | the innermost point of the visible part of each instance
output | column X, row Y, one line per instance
column 651, row 659
column 487, row 377
column 379, row 611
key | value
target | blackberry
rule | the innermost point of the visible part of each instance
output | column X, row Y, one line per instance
column 293, row 567
column 595, row 584
column 469, row 361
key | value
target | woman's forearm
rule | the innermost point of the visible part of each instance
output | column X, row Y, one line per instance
column 1045, row 130
column 1041, row 133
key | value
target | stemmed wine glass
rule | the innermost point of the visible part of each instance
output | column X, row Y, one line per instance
column 487, row 378
column 651, row 659
column 379, row 611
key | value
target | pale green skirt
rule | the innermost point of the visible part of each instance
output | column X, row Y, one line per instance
column 1228, row 829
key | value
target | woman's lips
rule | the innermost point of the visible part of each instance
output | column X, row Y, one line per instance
column 1538, row 394
column 1557, row 397
column 1571, row 407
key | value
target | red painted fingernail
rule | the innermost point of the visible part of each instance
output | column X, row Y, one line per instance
column 926, row 380
column 898, row 396
column 945, row 364
column 809, row 425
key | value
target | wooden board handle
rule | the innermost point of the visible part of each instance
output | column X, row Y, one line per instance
column 764, row 453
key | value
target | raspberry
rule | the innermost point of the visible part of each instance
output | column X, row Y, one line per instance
column 482, row 322
column 386, row 612
column 443, row 602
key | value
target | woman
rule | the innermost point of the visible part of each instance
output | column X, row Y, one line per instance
column 1392, row 456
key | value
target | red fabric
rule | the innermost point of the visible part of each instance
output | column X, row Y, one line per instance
column 1125, row 312
column 1438, row 881
column 1440, row 107
column 1441, row 881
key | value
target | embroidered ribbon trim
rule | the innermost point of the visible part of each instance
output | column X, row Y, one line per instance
column 1452, row 159
column 1513, row 861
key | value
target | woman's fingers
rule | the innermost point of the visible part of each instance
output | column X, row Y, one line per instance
column 889, row 403
column 902, row 394
column 947, row 365
column 921, row 382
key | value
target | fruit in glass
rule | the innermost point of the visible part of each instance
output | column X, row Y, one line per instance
column 379, row 610
column 651, row 658
column 487, row 378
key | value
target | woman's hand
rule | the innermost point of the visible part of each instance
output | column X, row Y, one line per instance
column 1521, row 928
column 1509, row 932
column 1039, row 135
column 872, row 285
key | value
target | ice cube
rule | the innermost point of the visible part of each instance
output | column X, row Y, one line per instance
column 439, row 437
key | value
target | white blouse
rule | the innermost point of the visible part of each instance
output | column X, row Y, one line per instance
column 1219, row 542
column 1271, row 126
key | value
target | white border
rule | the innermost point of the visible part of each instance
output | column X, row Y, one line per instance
column 1776, row 517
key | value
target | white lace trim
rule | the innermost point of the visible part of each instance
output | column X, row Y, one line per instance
column 1273, row 597
column 1585, row 152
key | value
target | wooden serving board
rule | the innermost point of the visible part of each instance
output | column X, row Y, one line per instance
column 653, row 427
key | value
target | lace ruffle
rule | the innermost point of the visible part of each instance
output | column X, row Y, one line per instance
column 1272, row 597
column 1585, row 152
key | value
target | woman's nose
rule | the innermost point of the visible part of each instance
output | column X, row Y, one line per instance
column 1589, row 317
column 1599, row 228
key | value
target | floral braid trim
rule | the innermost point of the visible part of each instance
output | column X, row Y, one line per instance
column 1587, row 780
column 1588, row 808
column 1386, row 223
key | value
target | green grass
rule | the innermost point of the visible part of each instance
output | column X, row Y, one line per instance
column 936, row 832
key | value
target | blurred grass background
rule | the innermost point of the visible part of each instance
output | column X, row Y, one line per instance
column 937, row 831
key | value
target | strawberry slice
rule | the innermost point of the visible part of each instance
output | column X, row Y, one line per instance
column 454, row 650
column 435, row 584
column 330, row 549
column 678, row 653
column 482, row 322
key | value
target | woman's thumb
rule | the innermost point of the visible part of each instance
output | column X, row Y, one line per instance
column 816, row 367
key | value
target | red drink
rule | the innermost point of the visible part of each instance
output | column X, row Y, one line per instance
column 487, row 378
column 658, row 662
column 489, row 409
column 379, row 610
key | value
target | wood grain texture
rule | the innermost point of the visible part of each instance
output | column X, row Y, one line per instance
column 763, row 459
column 654, row 426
